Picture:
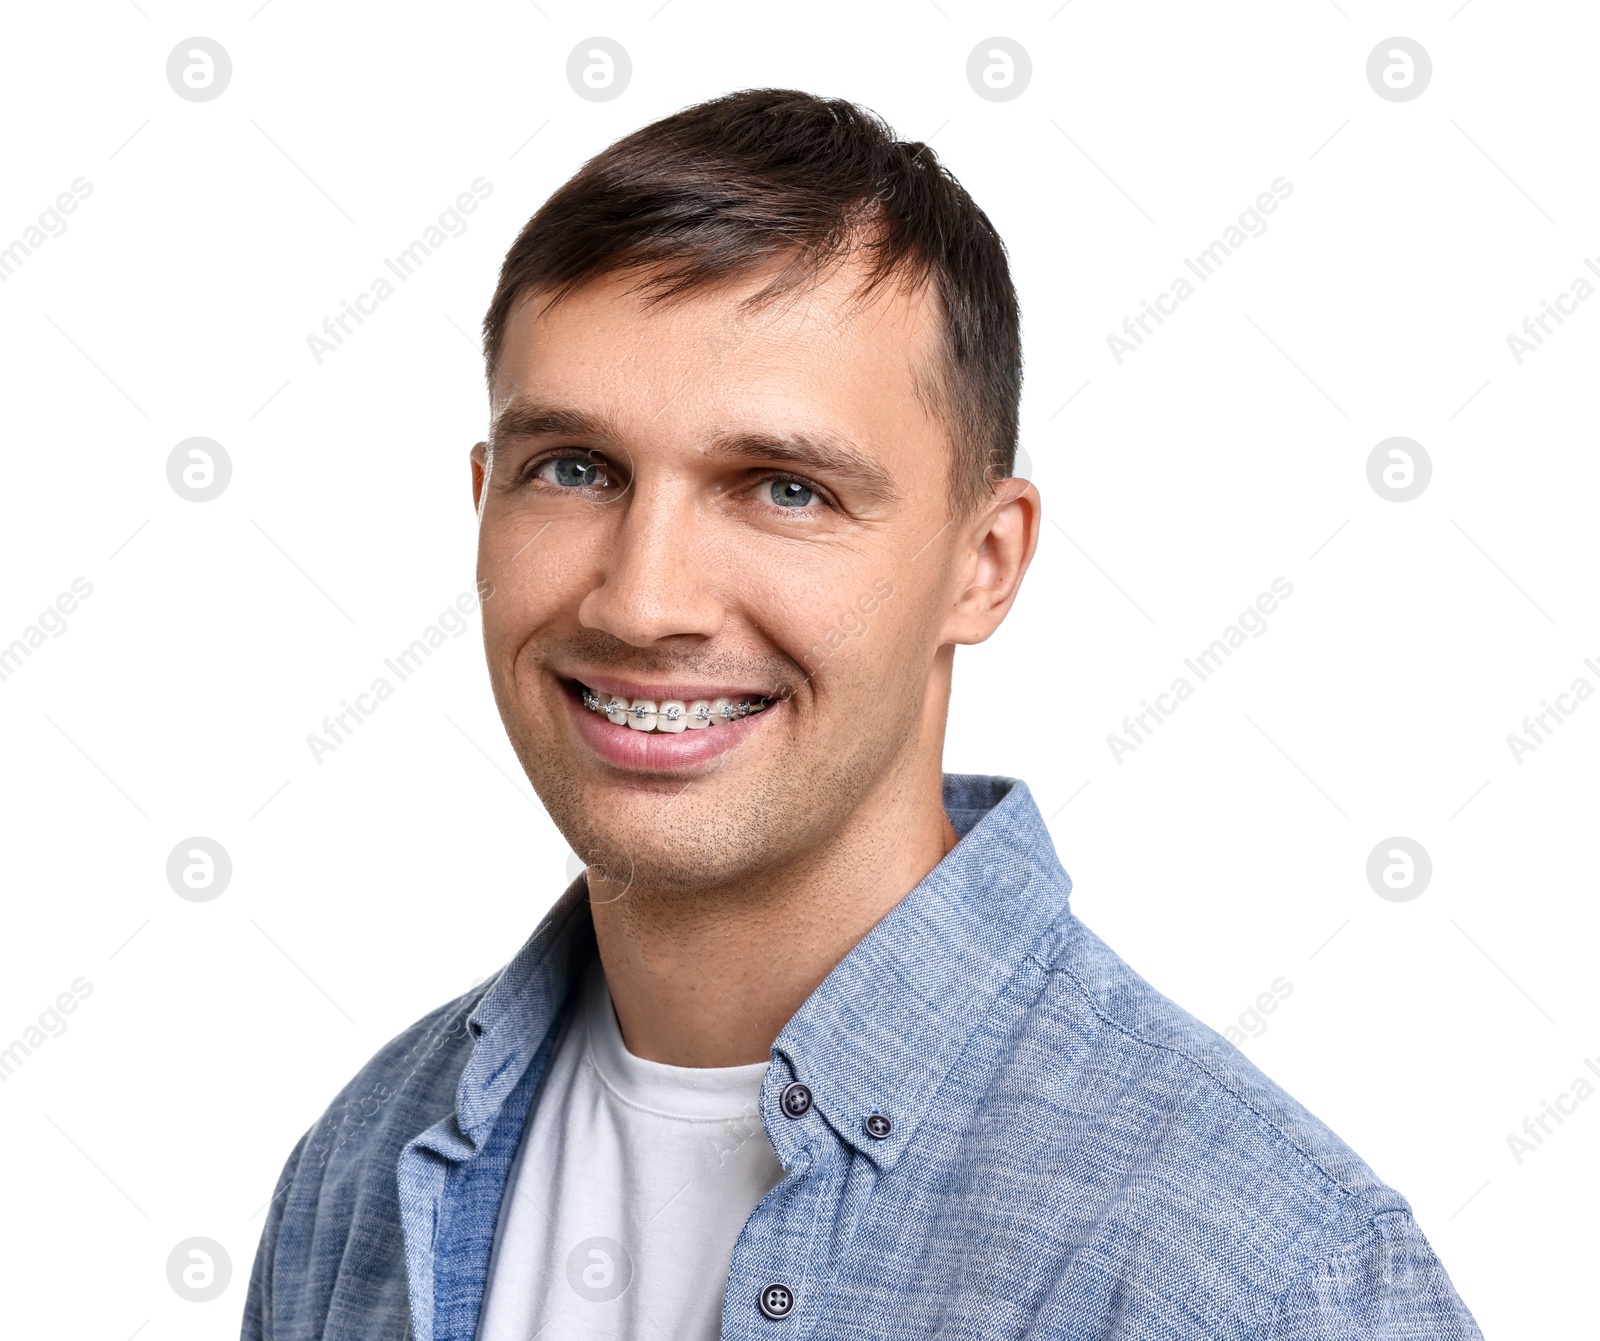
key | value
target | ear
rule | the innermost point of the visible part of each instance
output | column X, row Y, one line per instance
column 999, row 541
column 479, row 470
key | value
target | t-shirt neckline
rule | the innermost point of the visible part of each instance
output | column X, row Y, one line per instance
column 687, row 1092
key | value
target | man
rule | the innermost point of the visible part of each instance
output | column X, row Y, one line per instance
column 815, row 1047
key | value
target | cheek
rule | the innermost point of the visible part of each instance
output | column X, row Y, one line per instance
column 537, row 569
column 845, row 654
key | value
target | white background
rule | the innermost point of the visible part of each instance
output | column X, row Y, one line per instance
column 1227, row 852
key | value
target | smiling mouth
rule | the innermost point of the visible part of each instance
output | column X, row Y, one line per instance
column 669, row 715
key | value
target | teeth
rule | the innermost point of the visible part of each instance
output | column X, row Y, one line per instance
column 673, row 714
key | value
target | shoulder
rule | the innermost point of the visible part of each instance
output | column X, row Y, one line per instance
column 339, row 1184
column 1210, row 1095
column 1206, row 1150
column 1383, row 1282
column 407, row 1085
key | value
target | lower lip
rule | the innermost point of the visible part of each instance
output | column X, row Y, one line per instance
column 660, row 751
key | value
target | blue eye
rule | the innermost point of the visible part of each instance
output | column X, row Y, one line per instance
column 791, row 494
column 576, row 472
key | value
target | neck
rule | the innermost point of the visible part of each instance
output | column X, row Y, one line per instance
column 710, row 977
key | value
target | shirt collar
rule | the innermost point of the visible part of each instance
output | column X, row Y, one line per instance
column 516, row 1010
column 881, row 1032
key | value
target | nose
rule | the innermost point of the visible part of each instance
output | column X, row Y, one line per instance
column 653, row 585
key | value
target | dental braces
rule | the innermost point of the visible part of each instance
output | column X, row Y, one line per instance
column 648, row 715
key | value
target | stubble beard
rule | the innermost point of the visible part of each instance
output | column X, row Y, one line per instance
column 730, row 827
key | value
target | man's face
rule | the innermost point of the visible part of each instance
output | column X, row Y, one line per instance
column 686, row 503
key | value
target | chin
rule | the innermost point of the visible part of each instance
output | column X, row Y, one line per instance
column 659, row 864
column 677, row 834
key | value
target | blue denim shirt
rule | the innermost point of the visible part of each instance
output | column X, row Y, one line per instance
column 1069, row 1154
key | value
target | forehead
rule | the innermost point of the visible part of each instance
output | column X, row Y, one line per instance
column 824, row 357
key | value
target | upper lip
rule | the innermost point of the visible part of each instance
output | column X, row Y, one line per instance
column 684, row 690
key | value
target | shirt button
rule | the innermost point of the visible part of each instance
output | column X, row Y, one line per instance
column 877, row 1126
column 777, row 1301
column 796, row 1103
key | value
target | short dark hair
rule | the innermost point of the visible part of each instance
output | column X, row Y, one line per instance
column 763, row 176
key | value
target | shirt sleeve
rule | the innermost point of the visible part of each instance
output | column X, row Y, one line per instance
column 1386, row 1285
column 257, row 1324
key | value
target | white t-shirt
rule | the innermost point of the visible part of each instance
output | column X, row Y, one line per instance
column 630, row 1185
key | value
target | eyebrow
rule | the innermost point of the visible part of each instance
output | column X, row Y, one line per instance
column 523, row 418
column 819, row 453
